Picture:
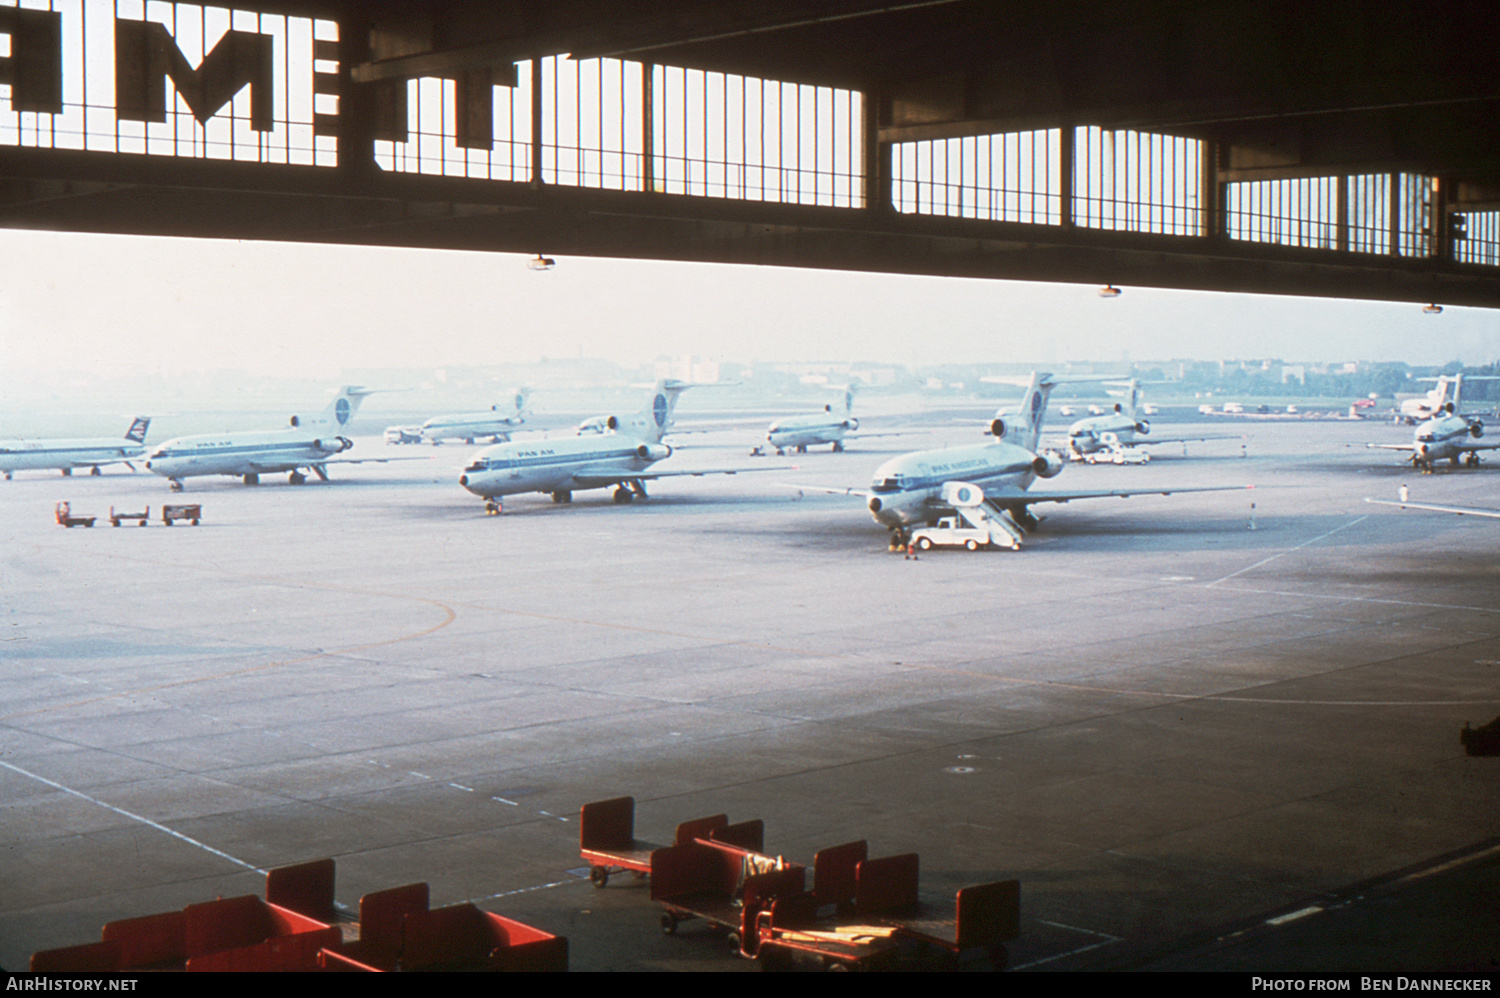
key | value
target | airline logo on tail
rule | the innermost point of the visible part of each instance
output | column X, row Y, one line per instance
column 137, row 432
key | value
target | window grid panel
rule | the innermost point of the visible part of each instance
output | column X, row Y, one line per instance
column 1009, row 177
column 1137, row 182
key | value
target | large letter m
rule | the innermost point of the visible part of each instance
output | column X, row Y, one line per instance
column 145, row 55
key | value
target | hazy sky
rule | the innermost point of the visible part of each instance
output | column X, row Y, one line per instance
column 135, row 304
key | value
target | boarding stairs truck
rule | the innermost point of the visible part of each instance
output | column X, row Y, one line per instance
column 975, row 523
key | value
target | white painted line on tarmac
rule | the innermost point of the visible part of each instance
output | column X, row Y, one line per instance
column 1105, row 940
column 1266, row 561
column 132, row 816
column 1292, row 916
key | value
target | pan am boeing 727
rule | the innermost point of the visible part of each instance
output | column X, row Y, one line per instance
column 993, row 478
column 309, row 442
column 621, row 455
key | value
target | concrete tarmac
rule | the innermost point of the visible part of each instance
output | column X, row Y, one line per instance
column 1165, row 716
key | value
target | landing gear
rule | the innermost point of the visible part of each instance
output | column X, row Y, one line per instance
column 252, row 479
column 95, row 471
column 562, row 496
column 838, row 447
column 629, row 491
column 802, row 448
column 1024, row 519
column 296, row 478
column 175, row 485
column 67, row 472
column 1472, row 461
column 492, row 507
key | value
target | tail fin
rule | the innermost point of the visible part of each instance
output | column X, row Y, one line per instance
column 657, row 417
column 523, row 396
column 849, row 399
column 1024, row 429
column 1135, row 400
column 137, row 432
column 340, row 411
column 1034, row 407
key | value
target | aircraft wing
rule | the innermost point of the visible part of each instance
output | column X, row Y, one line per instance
column 1406, row 447
column 832, row 490
column 587, row 478
column 1147, row 441
column 1458, row 510
column 1025, row 497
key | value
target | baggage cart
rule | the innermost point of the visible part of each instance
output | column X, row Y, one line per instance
column 607, row 842
column 171, row 513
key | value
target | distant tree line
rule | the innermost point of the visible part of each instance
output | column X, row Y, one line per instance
column 1381, row 380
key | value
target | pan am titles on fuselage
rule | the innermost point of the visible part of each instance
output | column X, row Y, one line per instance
column 621, row 456
column 989, row 485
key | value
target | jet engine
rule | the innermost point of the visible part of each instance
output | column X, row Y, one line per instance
column 851, row 423
column 1048, row 464
column 653, row 452
column 997, row 428
column 1143, row 427
column 1476, row 429
column 334, row 445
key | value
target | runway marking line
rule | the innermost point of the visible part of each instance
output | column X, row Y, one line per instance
column 133, row 817
column 1291, row 550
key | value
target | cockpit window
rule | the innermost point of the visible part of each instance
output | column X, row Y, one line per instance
column 886, row 485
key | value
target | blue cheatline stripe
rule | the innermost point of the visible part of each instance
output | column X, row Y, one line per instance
column 305, row 445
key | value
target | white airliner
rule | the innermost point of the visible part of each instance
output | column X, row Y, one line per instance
column 309, row 442
column 1447, row 436
column 920, row 487
column 1121, row 429
column 67, row 454
column 469, row 427
column 1434, row 403
column 620, row 456
column 801, row 432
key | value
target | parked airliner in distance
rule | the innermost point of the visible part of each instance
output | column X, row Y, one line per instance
column 621, row 456
column 67, row 454
column 801, row 432
column 1121, row 429
column 918, row 488
column 470, row 427
column 309, row 442
column 1447, row 436
column 1435, row 403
